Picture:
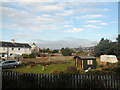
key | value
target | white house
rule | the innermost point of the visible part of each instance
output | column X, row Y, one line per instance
column 8, row 49
column 34, row 48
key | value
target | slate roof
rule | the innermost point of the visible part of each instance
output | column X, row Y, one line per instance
column 10, row 44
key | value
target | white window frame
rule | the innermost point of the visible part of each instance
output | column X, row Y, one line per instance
column 89, row 62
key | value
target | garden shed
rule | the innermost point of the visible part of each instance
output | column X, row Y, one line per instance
column 85, row 62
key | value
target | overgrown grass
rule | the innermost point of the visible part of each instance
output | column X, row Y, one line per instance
column 38, row 68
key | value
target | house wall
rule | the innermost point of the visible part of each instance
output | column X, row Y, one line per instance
column 35, row 49
column 14, row 51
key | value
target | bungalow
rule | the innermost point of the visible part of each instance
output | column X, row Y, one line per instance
column 85, row 62
column 8, row 49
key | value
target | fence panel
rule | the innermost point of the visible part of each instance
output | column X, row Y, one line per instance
column 27, row 80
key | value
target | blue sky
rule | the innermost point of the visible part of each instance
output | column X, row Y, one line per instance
column 59, row 24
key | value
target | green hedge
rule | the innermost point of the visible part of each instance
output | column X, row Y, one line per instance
column 28, row 55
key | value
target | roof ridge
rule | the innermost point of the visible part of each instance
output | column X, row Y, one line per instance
column 15, row 42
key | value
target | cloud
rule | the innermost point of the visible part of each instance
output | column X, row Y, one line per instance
column 74, row 30
column 23, row 20
column 103, row 24
column 58, row 1
column 67, row 12
column 91, row 26
column 68, row 25
column 23, row 35
column 100, row 34
column 84, row 10
column 65, row 42
column 46, row 15
column 92, row 21
column 48, row 8
column 93, row 16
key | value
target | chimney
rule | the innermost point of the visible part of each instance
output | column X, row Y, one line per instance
column 13, row 41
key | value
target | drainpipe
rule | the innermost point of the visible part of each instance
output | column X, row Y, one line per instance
column 7, row 51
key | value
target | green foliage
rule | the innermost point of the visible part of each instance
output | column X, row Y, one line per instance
column 105, row 46
column 118, row 47
column 66, row 51
column 25, row 55
column 28, row 55
column 71, row 70
column 55, row 51
column 32, row 55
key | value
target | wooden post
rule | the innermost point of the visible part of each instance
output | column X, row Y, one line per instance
column 76, row 62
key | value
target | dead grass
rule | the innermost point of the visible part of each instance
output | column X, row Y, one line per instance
column 99, row 62
column 47, row 59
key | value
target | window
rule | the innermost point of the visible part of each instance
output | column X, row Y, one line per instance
column 2, row 55
column 12, row 48
column 9, row 62
column 89, row 62
column 18, row 48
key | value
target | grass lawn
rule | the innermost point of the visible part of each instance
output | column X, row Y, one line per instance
column 38, row 68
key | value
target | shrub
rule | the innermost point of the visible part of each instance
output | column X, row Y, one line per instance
column 96, row 72
column 32, row 55
column 28, row 55
column 25, row 55
column 71, row 70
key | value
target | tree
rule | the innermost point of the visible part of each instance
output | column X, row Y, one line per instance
column 66, row 51
column 118, row 45
column 105, row 46
column 55, row 51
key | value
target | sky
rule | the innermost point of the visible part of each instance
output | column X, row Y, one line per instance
column 59, row 24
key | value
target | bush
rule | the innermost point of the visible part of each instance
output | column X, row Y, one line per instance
column 66, row 52
column 28, row 55
column 32, row 55
column 71, row 70
column 25, row 55
column 96, row 72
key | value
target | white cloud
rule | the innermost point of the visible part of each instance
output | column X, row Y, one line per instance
column 66, row 12
column 23, row 35
column 22, row 20
column 74, row 30
column 103, row 24
column 46, row 15
column 50, row 8
column 82, row 10
column 93, row 16
column 68, row 25
column 91, row 26
column 65, row 42
column 99, row 34
column 59, row 1
column 93, row 21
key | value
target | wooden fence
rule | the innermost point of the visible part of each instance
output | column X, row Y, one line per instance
column 29, row 80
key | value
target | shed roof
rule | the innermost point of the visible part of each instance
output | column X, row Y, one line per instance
column 85, row 57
